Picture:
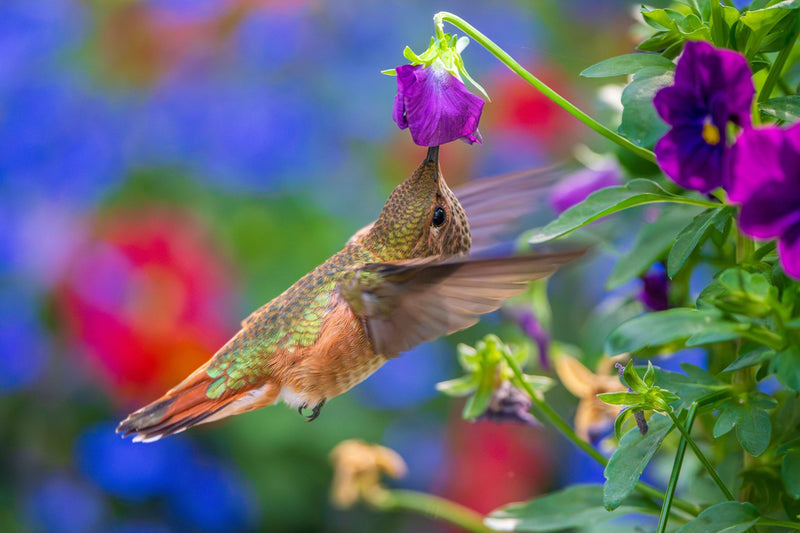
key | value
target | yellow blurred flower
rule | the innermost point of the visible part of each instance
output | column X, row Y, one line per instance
column 358, row 467
column 592, row 414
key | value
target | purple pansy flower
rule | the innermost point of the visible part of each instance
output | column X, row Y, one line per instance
column 436, row 106
column 765, row 180
column 712, row 88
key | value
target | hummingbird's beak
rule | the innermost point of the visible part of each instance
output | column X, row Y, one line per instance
column 433, row 157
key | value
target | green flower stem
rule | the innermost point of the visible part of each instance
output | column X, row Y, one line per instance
column 702, row 458
column 428, row 505
column 568, row 432
column 498, row 52
column 777, row 67
column 676, row 470
column 763, row 521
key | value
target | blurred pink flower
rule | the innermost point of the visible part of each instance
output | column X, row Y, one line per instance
column 148, row 298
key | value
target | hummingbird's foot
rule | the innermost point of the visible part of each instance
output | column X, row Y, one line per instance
column 314, row 412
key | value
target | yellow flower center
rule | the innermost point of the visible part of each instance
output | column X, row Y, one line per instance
column 710, row 133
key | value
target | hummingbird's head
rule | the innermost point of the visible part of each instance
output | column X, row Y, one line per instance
column 421, row 218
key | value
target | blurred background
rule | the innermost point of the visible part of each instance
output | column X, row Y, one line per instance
column 167, row 166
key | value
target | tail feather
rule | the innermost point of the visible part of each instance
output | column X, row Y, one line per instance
column 187, row 405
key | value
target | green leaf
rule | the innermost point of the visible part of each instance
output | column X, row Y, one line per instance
column 751, row 358
column 632, row 378
column 785, row 108
column 790, row 471
column 726, row 517
column 786, row 365
column 727, row 419
column 692, row 235
column 572, row 507
column 605, row 202
column 652, row 241
column 688, row 388
column 761, row 20
column 621, row 398
column 620, row 421
column 477, row 403
column 627, row 464
column 457, row 387
column 626, row 64
column 753, row 430
column 640, row 122
column 656, row 329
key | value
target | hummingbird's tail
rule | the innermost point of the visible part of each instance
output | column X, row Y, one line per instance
column 188, row 405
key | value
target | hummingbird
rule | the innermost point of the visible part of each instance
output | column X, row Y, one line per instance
column 405, row 279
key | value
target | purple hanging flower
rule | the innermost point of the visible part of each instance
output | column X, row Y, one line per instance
column 432, row 101
column 712, row 88
column 436, row 106
column 765, row 180
column 533, row 328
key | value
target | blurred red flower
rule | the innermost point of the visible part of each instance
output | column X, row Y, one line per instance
column 521, row 110
column 493, row 464
column 148, row 298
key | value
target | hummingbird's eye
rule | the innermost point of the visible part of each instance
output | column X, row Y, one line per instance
column 439, row 216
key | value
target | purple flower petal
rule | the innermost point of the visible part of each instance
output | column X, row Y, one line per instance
column 689, row 161
column 576, row 187
column 754, row 161
column 789, row 251
column 770, row 211
column 712, row 88
column 435, row 106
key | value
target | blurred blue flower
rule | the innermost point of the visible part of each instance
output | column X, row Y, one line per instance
column 578, row 467
column 407, row 380
column 23, row 348
column 63, row 505
column 231, row 132
column 672, row 362
column 271, row 38
column 35, row 35
column 420, row 442
column 130, row 471
column 139, row 527
column 213, row 498
column 59, row 140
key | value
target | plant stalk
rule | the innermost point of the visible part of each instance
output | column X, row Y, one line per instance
column 568, row 432
column 702, row 458
column 428, row 505
column 506, row 59
column 676, row 470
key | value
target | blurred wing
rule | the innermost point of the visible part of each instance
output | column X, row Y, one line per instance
column 403, row 304
column 497, row 206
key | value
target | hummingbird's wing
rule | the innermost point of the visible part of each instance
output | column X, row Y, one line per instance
column 405, row 303
column 497, row 206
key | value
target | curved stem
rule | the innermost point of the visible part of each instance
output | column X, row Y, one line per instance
column 676, row 470
column 498, row 52
column 702, row 458
column 568, row 432
column 428, row 505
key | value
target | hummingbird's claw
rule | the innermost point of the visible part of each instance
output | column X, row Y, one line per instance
column 315, row 412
